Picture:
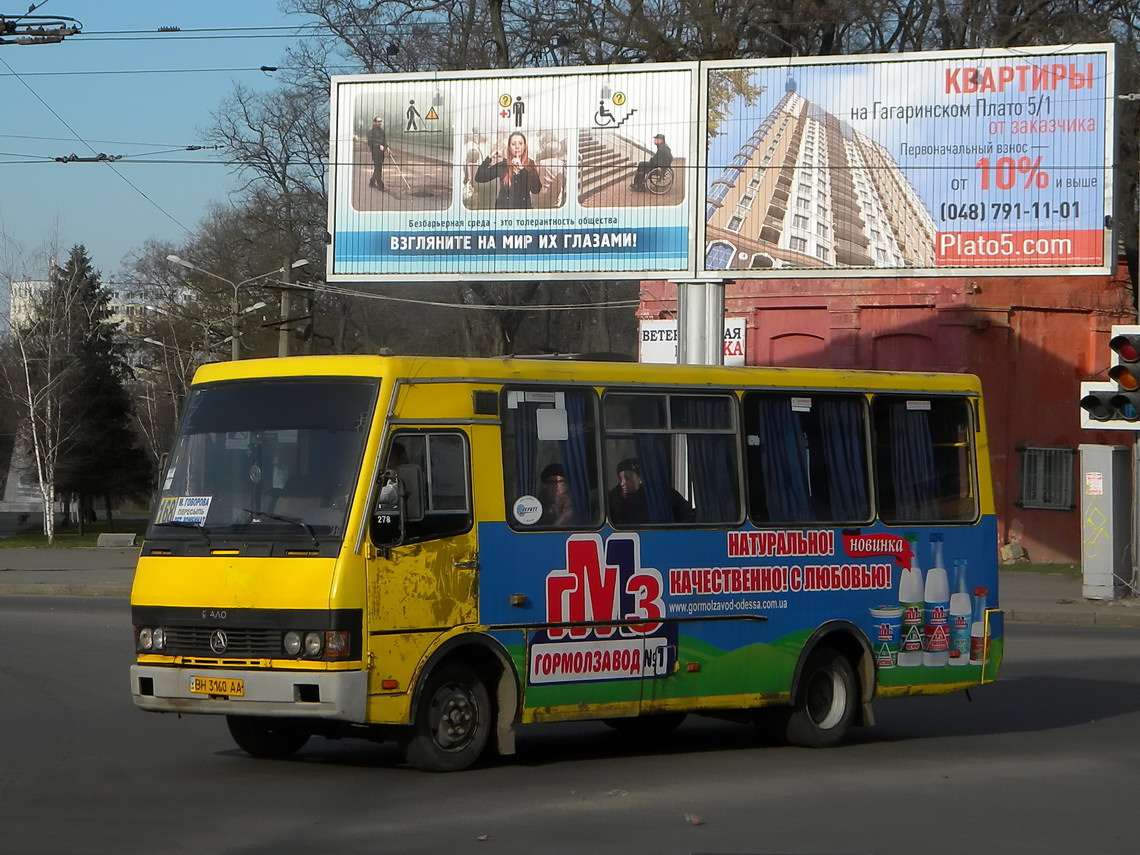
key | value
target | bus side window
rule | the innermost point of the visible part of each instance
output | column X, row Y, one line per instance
column 550, row 465
column 924, row 459
column 807, row 458
column 431, row 468
column 671, row 459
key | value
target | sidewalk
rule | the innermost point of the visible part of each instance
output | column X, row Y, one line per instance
column 1051, row 598
column 96, row 571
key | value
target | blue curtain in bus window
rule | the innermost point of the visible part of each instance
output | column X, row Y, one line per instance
column 912, row 462
column 526, row 449
column 653, row 452
column 575, row 452
column 783, row 463
column 712, row 461
column 844, row 451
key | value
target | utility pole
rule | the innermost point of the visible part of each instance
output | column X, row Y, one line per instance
column 700, row 324
column 283, row 329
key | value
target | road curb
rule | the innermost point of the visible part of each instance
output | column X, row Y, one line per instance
column 1064, row 618
column 36, row 590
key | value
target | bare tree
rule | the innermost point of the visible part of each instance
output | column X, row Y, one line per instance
column 39, row 373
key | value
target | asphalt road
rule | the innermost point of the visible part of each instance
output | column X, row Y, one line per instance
column 1045, row 761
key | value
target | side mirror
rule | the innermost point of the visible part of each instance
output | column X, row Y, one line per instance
column 413, row 488
column 399, row 503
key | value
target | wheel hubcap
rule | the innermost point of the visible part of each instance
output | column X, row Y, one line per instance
column 826, row 699
column 456, row 717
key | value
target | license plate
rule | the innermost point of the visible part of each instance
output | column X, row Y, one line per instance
column 217, row 686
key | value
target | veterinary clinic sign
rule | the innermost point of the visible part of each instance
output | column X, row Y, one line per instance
column 658, row 341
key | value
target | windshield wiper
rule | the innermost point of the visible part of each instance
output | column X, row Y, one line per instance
column 291, row 520
column 184, row 524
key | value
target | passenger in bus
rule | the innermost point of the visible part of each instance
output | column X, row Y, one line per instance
column 557, row 506
column 629, row 504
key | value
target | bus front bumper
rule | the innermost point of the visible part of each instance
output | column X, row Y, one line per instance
column 336, row 695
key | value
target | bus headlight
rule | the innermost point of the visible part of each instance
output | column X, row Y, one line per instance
column 158, row 638
column 146, row 638
column 313, row 643
column 292, row 642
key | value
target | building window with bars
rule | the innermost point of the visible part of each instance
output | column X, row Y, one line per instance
column 1046, row 480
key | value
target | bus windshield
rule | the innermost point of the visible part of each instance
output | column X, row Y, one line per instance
column 266, row 459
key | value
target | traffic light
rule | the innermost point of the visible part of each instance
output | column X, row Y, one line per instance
column 1098, row 404
column 1126, row 372
column 1116, row 405
column 1126, row 405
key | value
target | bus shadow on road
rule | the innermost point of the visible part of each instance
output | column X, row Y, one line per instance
column 549, row 744
column 1014, row 705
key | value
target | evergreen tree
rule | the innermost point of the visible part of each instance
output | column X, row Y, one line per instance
column 103, row 458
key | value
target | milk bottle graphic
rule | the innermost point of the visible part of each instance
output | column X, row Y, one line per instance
column 978, row 637
column 912, row 604
column 935, row 621
column 961, row 616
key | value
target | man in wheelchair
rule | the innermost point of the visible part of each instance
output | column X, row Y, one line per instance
column 662, row 158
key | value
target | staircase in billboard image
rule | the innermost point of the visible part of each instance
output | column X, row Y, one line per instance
column 605, row 160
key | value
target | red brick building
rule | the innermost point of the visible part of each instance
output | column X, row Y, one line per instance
column 1031, row 340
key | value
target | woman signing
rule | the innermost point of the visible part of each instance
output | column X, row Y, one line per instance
column 517, row 173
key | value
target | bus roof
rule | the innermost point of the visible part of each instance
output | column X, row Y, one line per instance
column 506, row 370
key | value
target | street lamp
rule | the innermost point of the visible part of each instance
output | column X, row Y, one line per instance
column 235, row 315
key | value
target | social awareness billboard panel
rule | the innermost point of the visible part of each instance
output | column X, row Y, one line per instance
column 514, row 174
column 913, row 164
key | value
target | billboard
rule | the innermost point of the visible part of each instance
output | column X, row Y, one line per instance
column 572, row 173
column 910, row 164
column 924, row 164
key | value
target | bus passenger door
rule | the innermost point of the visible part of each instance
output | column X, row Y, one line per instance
column 422, row 573
column 580, row 665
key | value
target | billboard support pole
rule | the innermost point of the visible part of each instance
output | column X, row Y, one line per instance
column 700, row 323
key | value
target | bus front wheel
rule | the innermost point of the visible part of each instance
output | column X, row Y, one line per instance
column 452, row 723
column 825, row 706
column 266, row 737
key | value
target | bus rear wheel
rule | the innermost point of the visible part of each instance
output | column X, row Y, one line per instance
column 453, row 721
column 825, row 703
column 266, row 737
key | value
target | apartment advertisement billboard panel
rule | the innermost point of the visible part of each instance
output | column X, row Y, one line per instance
column 538, row 173
column 950, row 163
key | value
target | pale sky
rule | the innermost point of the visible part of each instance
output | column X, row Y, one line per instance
column 122, row 88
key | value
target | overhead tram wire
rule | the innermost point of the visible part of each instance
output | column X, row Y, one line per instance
column 89, row 73
column 281, row 32
column 486, row 307
column 78, row 137
column 165, row 145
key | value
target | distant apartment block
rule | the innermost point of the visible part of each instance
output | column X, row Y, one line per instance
column 126, row 309
column 22, row 298
column 808, row 190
